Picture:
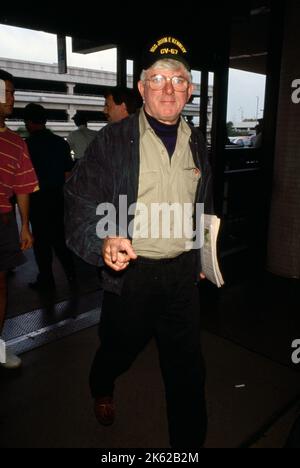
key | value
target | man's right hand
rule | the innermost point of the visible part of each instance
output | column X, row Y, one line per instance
column 117, row 253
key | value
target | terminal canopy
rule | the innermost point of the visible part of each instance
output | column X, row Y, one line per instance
column 204, row 28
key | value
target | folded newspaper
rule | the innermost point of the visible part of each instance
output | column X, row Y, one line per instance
column 209, row 254
column 2, row 352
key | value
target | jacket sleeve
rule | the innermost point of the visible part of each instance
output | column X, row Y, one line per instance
column 206, row 190
column 90, row 184
column 206, row 195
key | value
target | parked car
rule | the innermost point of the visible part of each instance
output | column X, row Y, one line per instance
column 243, row 141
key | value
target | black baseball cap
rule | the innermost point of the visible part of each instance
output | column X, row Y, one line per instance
column 166, row 47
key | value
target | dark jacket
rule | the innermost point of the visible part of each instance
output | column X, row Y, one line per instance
column 110, row 168
column 51, row 158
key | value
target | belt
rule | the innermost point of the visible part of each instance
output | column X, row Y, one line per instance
column 161, row 261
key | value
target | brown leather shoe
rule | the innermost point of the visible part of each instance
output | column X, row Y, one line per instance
column 104, row 410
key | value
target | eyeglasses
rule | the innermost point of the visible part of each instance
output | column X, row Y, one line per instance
column 158, row 82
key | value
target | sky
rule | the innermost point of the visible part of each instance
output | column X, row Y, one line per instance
column 245, row 94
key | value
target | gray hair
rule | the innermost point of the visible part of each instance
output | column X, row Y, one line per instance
column 167, row 64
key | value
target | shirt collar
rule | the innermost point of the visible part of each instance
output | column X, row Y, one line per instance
column 145, row 126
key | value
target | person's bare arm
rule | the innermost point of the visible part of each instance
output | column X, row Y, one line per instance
column 25, row 235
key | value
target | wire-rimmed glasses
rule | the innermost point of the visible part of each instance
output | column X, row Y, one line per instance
column 158, row 82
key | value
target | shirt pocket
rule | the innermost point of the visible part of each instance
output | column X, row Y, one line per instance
column 190, row 181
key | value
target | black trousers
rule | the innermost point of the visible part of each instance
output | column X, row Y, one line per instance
column 160, row 299
column 47, row 222
column 293, row 440
column 10, row 252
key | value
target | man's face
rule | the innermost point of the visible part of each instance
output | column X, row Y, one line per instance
column 6, row 109
column 165, row 104
column 114, row 112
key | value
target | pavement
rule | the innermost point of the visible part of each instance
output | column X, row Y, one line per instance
column 253, row 387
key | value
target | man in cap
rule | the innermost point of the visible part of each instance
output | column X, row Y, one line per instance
column 17, row 177
column 149, row 278
column 80, row 139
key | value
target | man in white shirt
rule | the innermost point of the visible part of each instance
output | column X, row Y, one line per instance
column 80, row 139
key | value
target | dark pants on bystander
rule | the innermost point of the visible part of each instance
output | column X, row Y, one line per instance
column 159, row 299
column 11, row 255
column 47, row 221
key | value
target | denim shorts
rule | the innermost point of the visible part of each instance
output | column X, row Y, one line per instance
column 11, row 255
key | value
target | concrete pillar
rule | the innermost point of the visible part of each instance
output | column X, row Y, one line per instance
column 284, row 232
column 70, row 88
column 71, row 111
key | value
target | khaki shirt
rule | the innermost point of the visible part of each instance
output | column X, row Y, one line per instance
column 172, row 183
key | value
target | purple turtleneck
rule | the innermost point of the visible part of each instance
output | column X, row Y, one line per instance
column 167, row 133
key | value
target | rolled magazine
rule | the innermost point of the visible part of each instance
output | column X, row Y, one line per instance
column 209, row 253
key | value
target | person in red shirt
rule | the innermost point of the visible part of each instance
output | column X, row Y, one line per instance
column 17, row 178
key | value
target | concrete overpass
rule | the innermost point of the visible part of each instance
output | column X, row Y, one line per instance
column 62, row 95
